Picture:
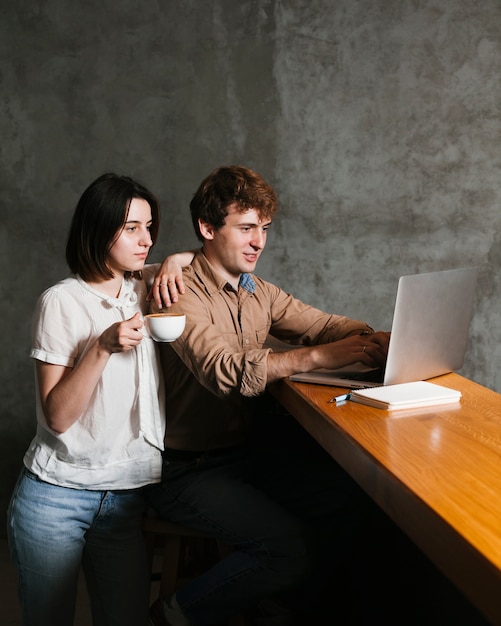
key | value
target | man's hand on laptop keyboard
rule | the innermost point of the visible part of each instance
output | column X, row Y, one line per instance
column 371, row 350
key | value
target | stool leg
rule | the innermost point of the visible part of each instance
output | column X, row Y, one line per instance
column 173, row 559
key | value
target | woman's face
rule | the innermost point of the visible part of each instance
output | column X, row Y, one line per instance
column 130, row 250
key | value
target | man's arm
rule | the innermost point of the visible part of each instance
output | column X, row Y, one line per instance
column 227, row 361
column 369, row 349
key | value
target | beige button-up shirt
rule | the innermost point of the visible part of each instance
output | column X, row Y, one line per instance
column 218, row 365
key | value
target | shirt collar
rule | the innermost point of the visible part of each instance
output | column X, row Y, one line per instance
column 212, row 280
column 127, row 296
column 247, row 283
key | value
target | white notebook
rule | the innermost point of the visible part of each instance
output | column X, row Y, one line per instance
column 405, row 395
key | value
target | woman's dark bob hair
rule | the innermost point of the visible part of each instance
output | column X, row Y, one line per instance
column 98, row 220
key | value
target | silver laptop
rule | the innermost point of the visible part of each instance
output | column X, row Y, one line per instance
column 429, row 333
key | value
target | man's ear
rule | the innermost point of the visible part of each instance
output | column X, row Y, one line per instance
column 206, row 230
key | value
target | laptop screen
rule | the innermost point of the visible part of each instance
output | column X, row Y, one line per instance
column 429, row 334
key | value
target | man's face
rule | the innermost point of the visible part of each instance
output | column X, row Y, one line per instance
column 235, row 248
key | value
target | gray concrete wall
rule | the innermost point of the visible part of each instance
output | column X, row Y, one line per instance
column 378, row 122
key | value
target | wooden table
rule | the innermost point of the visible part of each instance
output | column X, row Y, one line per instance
column 436, row 472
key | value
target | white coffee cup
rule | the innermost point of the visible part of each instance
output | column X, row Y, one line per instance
column 165, row 326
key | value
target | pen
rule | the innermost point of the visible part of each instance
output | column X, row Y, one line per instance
column 336, row 399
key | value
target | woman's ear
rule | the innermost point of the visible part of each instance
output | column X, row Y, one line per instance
column 206, row 230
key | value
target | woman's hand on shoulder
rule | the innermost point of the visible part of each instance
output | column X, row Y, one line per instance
column 168, row 283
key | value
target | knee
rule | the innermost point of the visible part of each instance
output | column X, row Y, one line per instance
column 290, row 557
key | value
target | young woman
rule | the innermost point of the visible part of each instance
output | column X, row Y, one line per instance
column 100, row 420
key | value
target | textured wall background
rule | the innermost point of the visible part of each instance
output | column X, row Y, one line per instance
column 378, row 122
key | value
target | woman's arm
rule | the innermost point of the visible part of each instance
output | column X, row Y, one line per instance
column 65, row 392
column 168, row 283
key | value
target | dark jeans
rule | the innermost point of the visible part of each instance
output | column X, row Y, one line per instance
column 286, row 507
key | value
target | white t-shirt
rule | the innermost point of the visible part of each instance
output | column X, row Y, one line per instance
column 116, row 443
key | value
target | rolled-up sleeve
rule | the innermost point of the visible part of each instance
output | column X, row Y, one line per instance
column 211, row 348
column 255, row 373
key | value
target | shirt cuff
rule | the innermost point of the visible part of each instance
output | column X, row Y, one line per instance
column 255, row 373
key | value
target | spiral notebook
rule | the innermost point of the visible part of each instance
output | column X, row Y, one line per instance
column 429, row 334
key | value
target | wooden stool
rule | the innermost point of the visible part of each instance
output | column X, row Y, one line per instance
column 178, row 545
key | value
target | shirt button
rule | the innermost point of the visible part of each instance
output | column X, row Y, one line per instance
column 246, row 341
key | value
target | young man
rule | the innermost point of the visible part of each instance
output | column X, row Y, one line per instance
column 232, row 468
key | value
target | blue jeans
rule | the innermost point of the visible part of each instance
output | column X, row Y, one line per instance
column 53, row 531
column 289, row 515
